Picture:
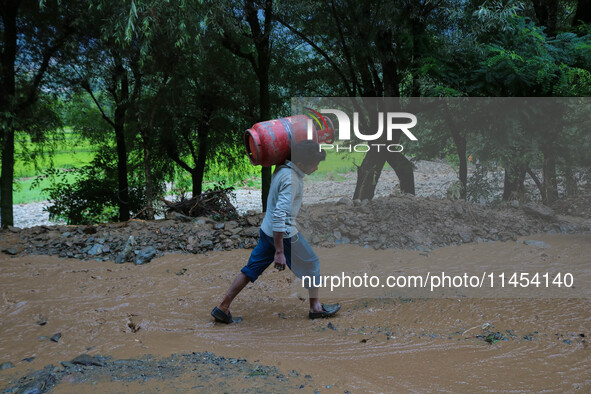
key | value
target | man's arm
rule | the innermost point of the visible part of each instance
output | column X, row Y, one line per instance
column 281, row 211
column 279, row 252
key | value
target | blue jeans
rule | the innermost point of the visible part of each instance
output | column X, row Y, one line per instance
column 299, row 256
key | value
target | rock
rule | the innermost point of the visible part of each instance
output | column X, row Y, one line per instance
column 219, row 226
column 541, row 211
column 67, row 364
column 53, row 235
column 13, row 229
column 539, row 244
column 231, row 225
column 251, row 232
column 206, row 243
column 56, row 337
column 10, row 251
column 125, row 255
column 6, row 365
column 89, row 230
column 253, row 220
column 178, row 216
column 466, row 236
column 96, row 249
column 345, row 201
column 87, row 360
column 459, row 210
column 41, row 384
column 42, row 320
column 145, row 255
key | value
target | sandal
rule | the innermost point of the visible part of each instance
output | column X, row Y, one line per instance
column 327, row 311
column 221, row 316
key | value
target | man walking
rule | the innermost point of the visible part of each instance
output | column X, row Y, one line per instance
column 280, row 242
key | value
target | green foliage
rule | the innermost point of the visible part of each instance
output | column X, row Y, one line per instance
column 92, row 196
column 189, row 98
column 68, row 151
column 481, row 187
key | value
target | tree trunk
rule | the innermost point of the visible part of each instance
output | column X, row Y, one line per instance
column 538, row 183
column 198, row 174
column 549, row 174
column 460, row 142
column 7, row 93
column 368, row 174
column 583, row 13
column 7, row 177
column 513, row 184
column 547, row 15
column 123, row 192
column 149, row 192
column 265, row 111
column 571, row 182
column 404, row 171
column 372, row 165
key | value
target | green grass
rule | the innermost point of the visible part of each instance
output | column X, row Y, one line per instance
column 70, row 152
column 24, row 194
column 65, row 151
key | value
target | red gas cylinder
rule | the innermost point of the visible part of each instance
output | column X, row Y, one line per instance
column 268, row 143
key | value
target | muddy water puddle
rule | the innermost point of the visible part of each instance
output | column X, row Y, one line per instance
column 374, row 344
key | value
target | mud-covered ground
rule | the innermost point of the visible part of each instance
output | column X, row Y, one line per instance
column 178, row 373
column 120, row 313
column 125, row 307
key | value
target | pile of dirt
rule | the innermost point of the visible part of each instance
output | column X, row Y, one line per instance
column 406, row 222
column 579, row 205
column 410, row 222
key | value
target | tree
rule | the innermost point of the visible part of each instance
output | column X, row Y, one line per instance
column 202, row 126
column 497, row 51
column 126, row 69
column 374, row 48
column 34, row 36
column 247, row 32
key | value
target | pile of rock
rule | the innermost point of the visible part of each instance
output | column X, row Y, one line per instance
column 406, row 221
column 138, row 241
column 421, row 223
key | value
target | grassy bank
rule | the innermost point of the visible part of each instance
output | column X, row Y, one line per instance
column 70, row 152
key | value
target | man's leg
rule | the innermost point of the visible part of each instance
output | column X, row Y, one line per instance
column 239, row 283
column 302, row 260
column 260, row 258
column 315, row 305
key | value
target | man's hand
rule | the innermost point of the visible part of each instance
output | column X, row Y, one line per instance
column 279, row 254
column 280, row 260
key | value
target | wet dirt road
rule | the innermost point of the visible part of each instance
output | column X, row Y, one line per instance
column 374, row 344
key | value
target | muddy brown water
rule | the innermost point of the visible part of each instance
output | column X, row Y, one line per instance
column 374, row 344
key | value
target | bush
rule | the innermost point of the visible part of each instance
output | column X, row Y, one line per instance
column 481, row 186
column 92, row 197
